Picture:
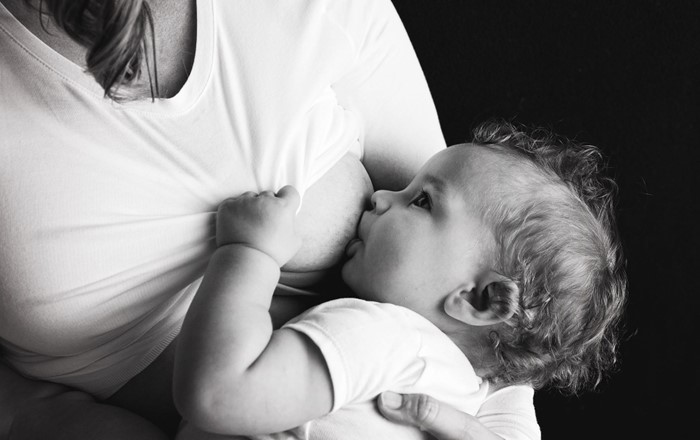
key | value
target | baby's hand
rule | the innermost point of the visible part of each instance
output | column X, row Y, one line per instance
column 262, row 221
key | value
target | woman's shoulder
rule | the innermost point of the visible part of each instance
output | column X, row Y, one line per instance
column 359, row 18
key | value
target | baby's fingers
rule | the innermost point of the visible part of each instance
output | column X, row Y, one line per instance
column 290, row 195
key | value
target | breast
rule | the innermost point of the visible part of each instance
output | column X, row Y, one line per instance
column 328, row 216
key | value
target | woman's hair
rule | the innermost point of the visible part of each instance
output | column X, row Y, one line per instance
column 117, row 35
column 557, row 241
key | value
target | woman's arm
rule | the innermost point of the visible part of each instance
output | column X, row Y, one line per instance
column 231, row 370
column 387, row 89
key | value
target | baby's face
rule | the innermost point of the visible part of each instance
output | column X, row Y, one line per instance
column 419, row 244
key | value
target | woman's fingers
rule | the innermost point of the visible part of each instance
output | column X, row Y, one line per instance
column 418, row 410
column 430, row 415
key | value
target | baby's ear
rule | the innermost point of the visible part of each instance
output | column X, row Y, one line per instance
column 494, row 299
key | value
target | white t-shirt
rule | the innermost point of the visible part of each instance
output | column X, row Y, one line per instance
column 372, row 347
column 108, row 209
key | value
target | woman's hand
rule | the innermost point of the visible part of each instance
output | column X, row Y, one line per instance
column 262, row 221
column 439, row 419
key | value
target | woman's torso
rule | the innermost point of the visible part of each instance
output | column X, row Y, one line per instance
column 108, row 208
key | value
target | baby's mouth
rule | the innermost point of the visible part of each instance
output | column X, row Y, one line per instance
column 351, row 247
column 353, row 244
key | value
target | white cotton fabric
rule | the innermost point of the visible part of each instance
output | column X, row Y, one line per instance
column 510, row 413
column 369, row 348
column 372, row 347
column 107, row 209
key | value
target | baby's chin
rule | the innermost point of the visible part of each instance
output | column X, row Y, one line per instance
column 352, row 278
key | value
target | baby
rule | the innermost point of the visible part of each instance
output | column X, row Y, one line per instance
column 497, row 265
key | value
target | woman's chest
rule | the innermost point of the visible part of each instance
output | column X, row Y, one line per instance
column 329, row 215
column 114, row 197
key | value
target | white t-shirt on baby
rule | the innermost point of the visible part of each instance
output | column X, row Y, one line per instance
column 372, row 347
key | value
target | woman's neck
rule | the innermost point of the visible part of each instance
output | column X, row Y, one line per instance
column 175, row 23
column 27, row 13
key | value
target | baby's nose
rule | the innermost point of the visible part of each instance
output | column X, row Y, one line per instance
column 380, row 201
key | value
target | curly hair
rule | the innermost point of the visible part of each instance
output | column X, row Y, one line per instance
column 557, row 241
column 116, row 33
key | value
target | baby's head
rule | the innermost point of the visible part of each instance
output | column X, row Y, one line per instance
column 507, row 245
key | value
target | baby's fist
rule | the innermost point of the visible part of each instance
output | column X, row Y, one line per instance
column 262, row 221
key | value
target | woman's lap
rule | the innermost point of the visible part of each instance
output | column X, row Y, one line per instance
column 149, row 394
column 30, row 409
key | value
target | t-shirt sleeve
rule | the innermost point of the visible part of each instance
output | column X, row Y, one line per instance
column 372, row 347
column 367, row 350
column 385, row 87
column 510, row 413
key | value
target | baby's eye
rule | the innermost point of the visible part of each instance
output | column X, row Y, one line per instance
column 422, row 200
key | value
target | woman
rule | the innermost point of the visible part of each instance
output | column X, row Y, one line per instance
column 108, row 203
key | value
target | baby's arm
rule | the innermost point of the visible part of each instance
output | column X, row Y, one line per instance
column 233, row 374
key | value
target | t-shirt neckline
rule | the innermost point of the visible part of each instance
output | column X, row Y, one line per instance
column 185, row 98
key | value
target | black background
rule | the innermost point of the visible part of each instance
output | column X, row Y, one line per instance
column 623, row 76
